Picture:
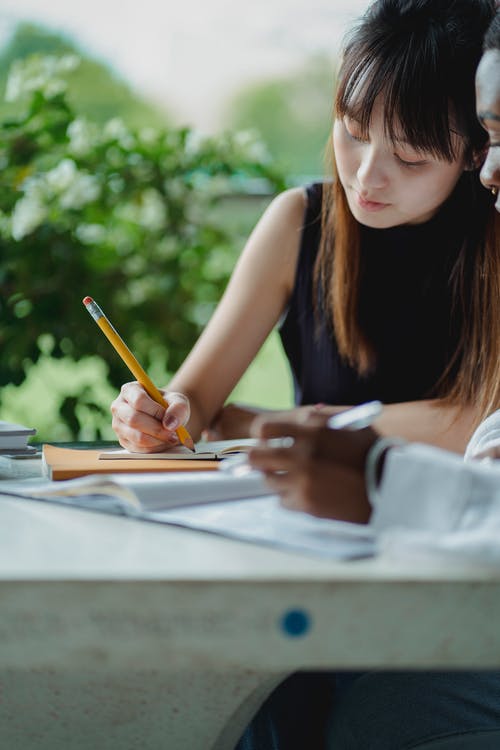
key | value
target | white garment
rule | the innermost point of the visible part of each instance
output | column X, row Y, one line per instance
column 486, row 436
column 435, row 501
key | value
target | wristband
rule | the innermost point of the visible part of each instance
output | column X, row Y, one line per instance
column 372, row 464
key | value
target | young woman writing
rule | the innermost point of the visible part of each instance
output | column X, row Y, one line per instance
column 386, row 279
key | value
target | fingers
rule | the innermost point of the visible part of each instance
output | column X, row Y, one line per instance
column 178, row 411
column 265, row 427
column 305, row 442
column 136, row 398
column 272, row 459
column 315, row 440
column 321, row 472
column 138, row 419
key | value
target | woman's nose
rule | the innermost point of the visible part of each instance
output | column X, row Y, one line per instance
column 490, row 171
column 372, row 172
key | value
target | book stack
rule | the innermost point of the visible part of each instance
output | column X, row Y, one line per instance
column 14, row 439
column 67, row 463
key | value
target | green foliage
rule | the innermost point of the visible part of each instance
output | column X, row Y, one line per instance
column 62, row 398
column 291, row 114
column 94, row 90
column 127, row 216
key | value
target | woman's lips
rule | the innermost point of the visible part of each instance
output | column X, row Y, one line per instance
column 369, row 205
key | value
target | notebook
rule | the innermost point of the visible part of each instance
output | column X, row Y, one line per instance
column 14, row 439
column 214, row 450
column 68, row 463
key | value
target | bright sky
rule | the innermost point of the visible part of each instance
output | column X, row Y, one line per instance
column 192, row 54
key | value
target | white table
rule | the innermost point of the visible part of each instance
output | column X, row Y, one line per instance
column 117, row 634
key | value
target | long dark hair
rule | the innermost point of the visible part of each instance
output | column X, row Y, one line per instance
column 421, row 56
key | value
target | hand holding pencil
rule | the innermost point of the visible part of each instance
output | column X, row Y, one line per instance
column 135, row 368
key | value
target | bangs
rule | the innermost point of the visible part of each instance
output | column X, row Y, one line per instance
column 414, row 90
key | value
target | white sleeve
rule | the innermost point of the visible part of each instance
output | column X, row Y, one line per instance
column 430, row 489
column 486, row 436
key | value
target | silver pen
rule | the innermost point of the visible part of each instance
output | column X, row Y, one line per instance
column 356, row 418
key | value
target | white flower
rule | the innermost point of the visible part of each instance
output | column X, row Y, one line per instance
column 14, row 84
column 115, row 130
column 148, row 135
column 90, row 234
column 81, row 137
column 194, row 141
column 34, row 190
column 62, row 176
column 149, row 211
column 74, row 188
column 39, row 73
column 67, row 63
column 152, row 214
column 84, row 189
column 29, row 212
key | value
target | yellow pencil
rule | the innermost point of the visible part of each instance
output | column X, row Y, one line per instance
column 132, row 364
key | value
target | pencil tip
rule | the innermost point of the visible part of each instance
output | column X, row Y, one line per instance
column 188, row 442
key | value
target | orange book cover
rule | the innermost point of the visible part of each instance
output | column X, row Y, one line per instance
column 68, row 463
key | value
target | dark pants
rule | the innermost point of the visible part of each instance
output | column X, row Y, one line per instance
column 373, row 710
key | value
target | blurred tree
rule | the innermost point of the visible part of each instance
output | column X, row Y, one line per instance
column 126, row 215
column 94, row 89
column 291, row 114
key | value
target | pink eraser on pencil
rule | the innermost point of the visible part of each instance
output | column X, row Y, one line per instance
column 87, row 300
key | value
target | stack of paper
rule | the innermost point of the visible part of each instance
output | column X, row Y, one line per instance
column 14, row 439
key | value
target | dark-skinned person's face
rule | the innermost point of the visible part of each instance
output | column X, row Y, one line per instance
column 488, row 112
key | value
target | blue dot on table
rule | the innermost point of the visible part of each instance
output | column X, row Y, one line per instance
column 295, row 622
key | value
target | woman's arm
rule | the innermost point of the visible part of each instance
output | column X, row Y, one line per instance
column 256, row 296
column 433, row 422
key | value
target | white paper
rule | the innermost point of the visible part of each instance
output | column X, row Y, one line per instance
column 258, row 519
column 135, row 493
column 265, row 521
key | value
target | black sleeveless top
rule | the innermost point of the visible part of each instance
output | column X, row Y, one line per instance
column 406, row 312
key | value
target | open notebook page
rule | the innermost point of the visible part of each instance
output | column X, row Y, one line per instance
column 204, row 450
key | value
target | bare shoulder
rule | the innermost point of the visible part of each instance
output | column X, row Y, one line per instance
column 288, row 207
column 272, row 249
column 280, row 227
